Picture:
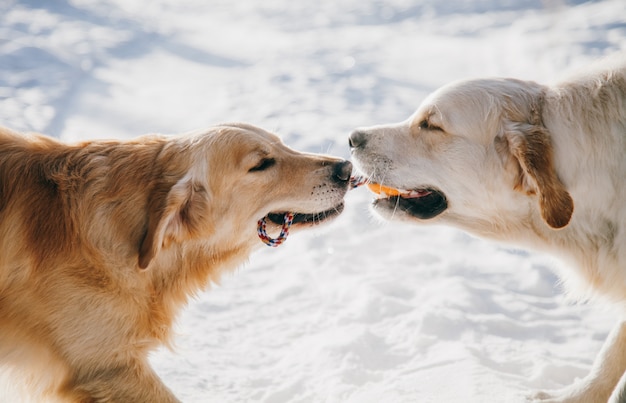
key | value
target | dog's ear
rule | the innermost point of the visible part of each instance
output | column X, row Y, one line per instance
column 530, row 149
column 175, row 213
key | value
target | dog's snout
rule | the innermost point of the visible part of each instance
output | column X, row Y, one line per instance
column 342, row 171
column 357, row 139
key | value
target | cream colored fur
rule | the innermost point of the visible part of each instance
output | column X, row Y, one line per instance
column 538, row 166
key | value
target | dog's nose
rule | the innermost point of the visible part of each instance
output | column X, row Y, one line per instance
column 357, row 139
column 342, row 171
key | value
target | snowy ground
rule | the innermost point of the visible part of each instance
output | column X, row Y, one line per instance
column 357, row 311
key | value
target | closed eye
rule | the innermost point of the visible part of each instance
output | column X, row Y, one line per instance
column 425, row 124
column 264, row 164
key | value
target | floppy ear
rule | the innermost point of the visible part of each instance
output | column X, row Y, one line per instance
column 530, row 147
column 175, row 213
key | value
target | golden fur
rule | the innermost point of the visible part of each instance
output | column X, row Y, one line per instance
column 102, row 243
column 539, row 166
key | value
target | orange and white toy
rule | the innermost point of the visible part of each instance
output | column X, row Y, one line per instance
column 386, row 191
column 381, row 189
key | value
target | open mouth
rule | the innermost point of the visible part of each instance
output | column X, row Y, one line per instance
column 422, row 203
column 307, row 219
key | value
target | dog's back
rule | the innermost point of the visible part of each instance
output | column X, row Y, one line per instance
column 65, row 242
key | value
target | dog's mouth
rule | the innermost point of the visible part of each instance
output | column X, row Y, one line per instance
column 423, row 203
column 307, row 219
column 288, row 220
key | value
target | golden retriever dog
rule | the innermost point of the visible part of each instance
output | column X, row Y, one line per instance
column 540, row 166
column 102, row 243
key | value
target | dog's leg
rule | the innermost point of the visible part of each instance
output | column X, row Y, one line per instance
column 605, row 374
column 135, row 383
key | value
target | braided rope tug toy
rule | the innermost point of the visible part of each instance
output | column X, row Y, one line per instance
column 355, row 182
column 284, row 231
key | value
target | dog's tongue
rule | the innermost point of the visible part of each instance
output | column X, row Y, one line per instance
column 284, row 231
column 416, row 194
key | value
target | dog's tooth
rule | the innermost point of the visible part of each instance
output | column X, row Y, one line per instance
column 414, row 194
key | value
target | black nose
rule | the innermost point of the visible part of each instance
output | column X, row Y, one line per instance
column 357, row 139
column 342, row 171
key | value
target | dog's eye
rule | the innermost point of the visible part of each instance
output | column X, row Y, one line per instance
column 425, row 124
column 263, row 165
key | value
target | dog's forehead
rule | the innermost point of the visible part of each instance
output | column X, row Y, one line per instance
column 268, row 138
column 247, row 138
column 455, row 95
column 463, row 107
column 438, row 103
column 484, row 92
column 263, row 142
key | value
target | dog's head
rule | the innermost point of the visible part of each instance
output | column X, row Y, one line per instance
column 475, row 154
column 224, row 180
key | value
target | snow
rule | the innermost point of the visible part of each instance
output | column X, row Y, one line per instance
column 358, row 310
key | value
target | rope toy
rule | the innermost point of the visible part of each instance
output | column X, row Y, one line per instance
column 284, row 231
column 355, row 182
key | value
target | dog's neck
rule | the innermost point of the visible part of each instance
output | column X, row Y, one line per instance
column 589, row 243
column 181, row 271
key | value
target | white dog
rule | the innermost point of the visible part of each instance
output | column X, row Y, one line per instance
column 543, row 167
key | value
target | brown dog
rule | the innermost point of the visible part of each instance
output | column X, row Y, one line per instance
column 101, row 243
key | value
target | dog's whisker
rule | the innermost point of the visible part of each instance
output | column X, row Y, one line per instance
column 550, row 199
column 161, row 227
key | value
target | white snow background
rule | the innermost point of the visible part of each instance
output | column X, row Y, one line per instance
column 356, row 311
